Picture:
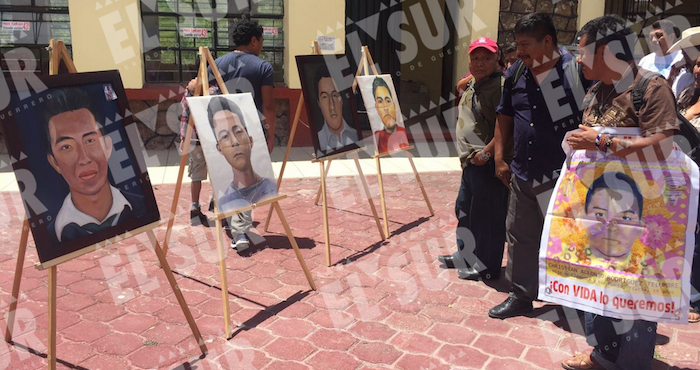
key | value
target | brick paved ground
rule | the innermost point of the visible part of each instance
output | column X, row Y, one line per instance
column 381, row 306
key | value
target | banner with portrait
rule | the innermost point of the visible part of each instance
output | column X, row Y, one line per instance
column 618, row 238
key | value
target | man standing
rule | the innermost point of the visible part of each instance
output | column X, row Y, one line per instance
column 538, row 106
column 335, row 133
column 661, row 37
column 244, row 71
column 79, row 152
column 606, row 56
column 482, row 201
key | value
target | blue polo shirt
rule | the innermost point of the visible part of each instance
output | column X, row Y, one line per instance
column 542, row 114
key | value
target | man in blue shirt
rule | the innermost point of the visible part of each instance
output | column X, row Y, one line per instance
column 538, row 106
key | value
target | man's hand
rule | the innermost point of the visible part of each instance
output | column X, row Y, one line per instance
column 584, row 139
column 480, row 159
column 503, row 172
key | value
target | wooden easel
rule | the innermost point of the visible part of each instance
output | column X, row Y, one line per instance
column 202, row 89
column 363, row 67
column 322, row 190
column 58, row 51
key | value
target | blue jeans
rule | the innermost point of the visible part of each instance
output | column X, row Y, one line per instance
column 621, row 344
column 481, row 207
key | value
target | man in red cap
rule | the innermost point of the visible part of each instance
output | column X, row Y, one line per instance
column 482, row 201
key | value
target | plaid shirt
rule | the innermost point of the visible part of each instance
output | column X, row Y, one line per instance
column 184, row 119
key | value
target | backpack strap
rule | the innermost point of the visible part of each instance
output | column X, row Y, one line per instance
column 640, row 88
column 589, row 97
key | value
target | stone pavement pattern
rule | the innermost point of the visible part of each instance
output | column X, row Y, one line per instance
column 381, row 306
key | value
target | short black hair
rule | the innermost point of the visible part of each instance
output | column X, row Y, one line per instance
column 244, row 31
column 668, row 27
column 377, row 83
column 321, row 72
column 220, row 103
column 68, row 99
column 609, row 28
column 616, row 181
column 538, row 25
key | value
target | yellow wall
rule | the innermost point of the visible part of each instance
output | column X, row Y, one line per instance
column 588, row 10
column 304, row 20
column 108, row 37
column 482, row 17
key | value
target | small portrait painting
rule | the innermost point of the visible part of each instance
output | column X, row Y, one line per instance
column 232, row 139
column 330, row 105
column 84, row 179
column 384, row 113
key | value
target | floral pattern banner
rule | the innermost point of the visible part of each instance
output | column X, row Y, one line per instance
column 619, row 237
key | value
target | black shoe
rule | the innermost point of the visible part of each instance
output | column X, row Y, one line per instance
column 198, row 218
column 449, row 261
column 211, row 205
column 468, row 273
column 512, row 306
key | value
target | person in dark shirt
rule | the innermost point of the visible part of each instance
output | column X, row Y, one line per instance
column 538, row 106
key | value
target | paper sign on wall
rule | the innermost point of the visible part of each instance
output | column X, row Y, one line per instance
column 271, row 31
column 194, row 32
column 326, row 43
column 16, row 26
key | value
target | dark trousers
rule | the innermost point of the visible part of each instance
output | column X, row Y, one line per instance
column 527, row 205
column 481, row 208
column 621, row 344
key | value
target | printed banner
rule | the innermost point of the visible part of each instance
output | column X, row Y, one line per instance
column 194, row 32
column 16, row 26
column 618, row 238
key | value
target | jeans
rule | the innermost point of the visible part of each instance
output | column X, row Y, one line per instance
column 621, row 344
column 481, row 208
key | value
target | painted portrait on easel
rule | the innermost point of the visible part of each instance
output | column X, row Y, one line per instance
column 232, row 139
column 330, row 105
column 77, row 157
column 384, row 113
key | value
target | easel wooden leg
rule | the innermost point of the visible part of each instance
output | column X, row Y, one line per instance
column 51, row 351
column 325, row 217
column 18, row 279
column 420, row 183
column 368, row 194
column 178, row 185
column 325, row 175
column 382, row 198
column 176, row 290
column 224, row 279
column 292, row 133
column 293, row 242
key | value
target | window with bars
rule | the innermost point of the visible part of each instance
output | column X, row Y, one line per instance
column 175, row 29
column 31, row 24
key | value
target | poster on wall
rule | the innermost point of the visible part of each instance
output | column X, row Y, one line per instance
column 77, row 158
column 384, row 113
column 330, row 105
column 233, row 142
column 619, row 235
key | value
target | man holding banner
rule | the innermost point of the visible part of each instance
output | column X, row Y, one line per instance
column 611, row 234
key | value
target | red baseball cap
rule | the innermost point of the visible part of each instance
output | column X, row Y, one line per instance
column 484, row 42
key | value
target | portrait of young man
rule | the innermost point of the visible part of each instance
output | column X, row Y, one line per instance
column 79, row 152
column 335, row 133
column 330, row 104
column 80, row 164
column 384, row 113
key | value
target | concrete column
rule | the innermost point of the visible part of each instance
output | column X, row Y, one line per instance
column 481, row 20
column 589, row 10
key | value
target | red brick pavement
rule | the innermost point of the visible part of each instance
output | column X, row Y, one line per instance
column 381, row 306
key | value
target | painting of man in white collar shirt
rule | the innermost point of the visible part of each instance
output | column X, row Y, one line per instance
column 335, row 132
column 80, row 153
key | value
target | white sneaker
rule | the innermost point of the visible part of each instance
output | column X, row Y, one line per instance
column 240, row 243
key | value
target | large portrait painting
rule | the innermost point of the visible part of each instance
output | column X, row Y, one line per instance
column 330, row 105
column 78, row 161
column 384, row 113
column 232, row 139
